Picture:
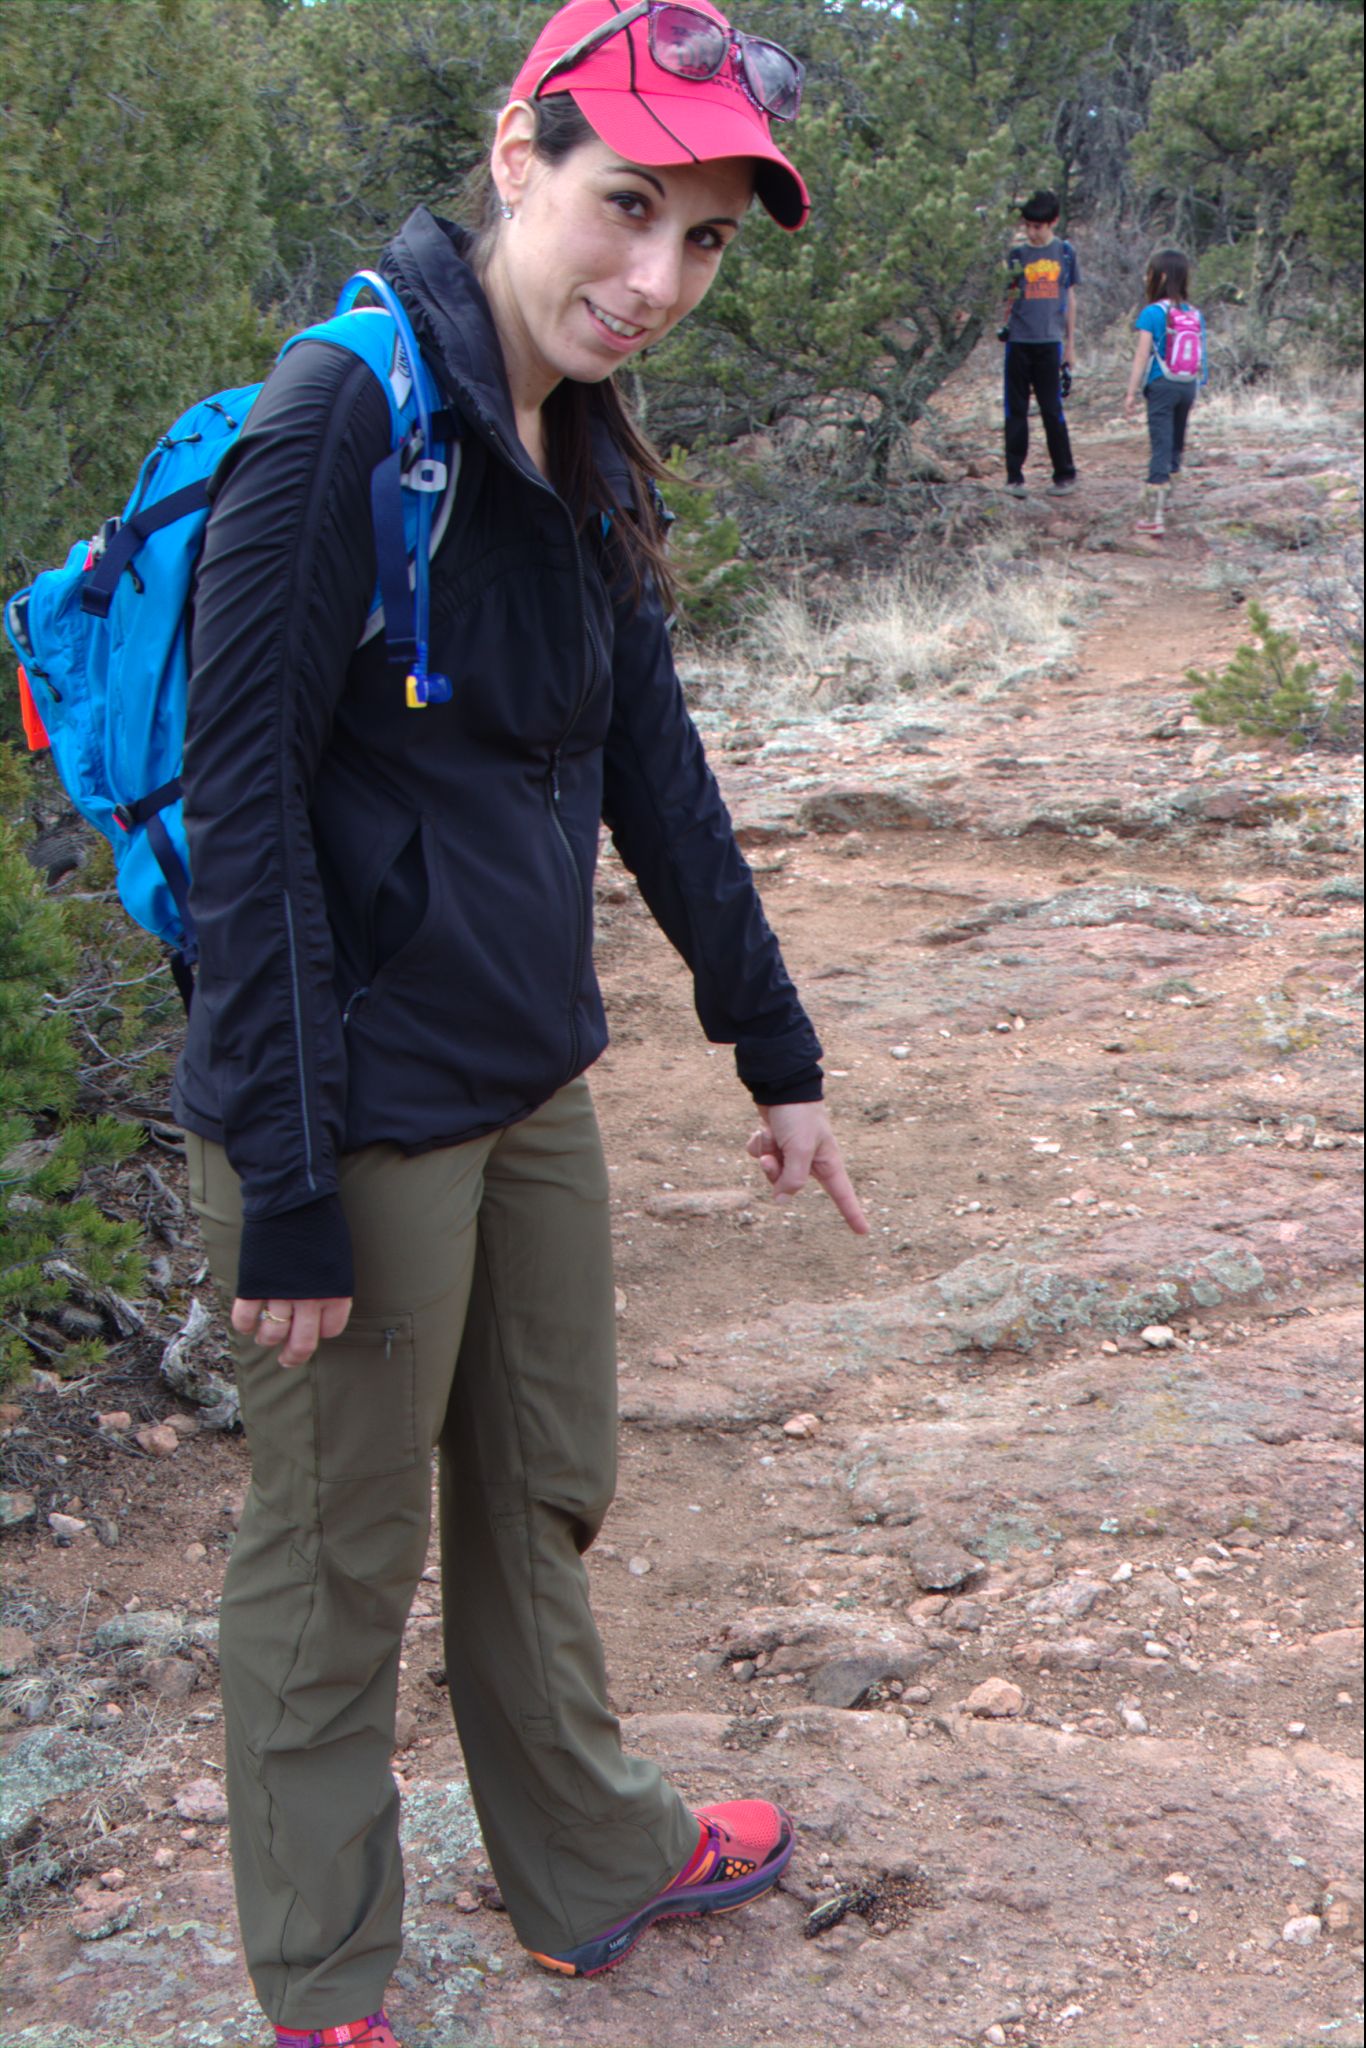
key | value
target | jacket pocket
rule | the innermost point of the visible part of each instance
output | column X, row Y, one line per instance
column 401, row 902
column 365, row 1399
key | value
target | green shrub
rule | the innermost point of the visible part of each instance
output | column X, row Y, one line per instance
column 1267, row 693
column 56, row 1246
column 704, row 548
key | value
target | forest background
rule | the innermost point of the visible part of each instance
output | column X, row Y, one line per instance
column 185, row 182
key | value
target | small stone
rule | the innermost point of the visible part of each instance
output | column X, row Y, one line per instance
column 16, row 1651
column 465, row 1902
column 620, row 1301
column 203, row 1799
column 917, row 1695
column 743, row 1670
column 940, row 1565
column 639, row 1566
column 1160, row 1336
column 1299, row 1729
column 900, row 1052
column 116, row 1421
column 664, row 1361
column 16, row 1508
column 170, row 1678
column 801, row 1425
column 1303, row 1931
column 1156, row 1650
column 183, row 1425
column 1121, row 1575
column 995, row 1699
column 163, row 1857
column 996, row 2036
column 158, row 1439
column 405, row 1728
column 66, row 1528
column 113, row 1880
column 195, row 1553
column 1132, row 1721
column 1109, row 1347
column 1177, row 1881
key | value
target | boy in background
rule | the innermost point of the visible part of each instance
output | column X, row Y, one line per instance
column 1039, row 334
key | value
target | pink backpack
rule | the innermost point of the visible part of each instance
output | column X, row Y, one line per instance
column 1181, row 353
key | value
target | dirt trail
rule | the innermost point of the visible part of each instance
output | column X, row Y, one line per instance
column 1047, row 1629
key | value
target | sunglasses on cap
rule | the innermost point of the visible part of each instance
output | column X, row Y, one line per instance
column 690, row 45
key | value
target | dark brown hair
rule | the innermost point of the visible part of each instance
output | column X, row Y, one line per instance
column 572, row 409
column 1169, row 276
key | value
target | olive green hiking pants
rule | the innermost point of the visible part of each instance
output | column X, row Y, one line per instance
column 483, row 1329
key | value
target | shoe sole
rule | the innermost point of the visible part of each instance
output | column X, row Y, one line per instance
column 595, row 1958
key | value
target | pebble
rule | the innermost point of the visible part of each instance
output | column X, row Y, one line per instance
column 801, row 1425
column 116, row 1420
column 995, row 1699
column 743, row 1670
column 1133, row 1722
column 158, row 1439
column 195, row 1553
column 66, row 1528
column 1157, row 1650
column 639, row 1566
column 1299, row 1729
column 1121, row 1575
column 163, row 1857
column 1160, row 1336
column 16, row 1507
column 996, row 2036
column 16, row 1650
column 170, row 1678
column 900, row 1052
column 1177, row 1881
column 203, row 1799
column 1303, row 1931
column 405, row 1728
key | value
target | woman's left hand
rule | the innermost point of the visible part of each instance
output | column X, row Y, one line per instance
column 797, row 1144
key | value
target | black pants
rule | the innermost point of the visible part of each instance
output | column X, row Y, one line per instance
column 1169, row 409
column 1035, row 366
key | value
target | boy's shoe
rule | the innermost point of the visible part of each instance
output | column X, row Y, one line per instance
column 372, row 2033
column 1061, row 485
column 1153, row 526
column 745, row 1846
column 1017, row 490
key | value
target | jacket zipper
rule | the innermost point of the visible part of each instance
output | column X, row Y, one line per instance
column 580, row 934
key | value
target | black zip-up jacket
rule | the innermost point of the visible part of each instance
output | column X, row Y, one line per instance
column 395, row 907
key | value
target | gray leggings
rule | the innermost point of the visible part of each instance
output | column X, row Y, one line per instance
column 1169, row 409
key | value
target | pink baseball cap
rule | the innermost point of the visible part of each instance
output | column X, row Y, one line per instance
column 653, row 117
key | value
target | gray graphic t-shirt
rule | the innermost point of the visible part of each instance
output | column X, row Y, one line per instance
column 1041, row 280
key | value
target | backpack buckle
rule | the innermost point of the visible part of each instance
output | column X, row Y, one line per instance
column 101, row 540
column 425, row 475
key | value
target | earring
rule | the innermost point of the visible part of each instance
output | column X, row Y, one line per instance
column 505, row 209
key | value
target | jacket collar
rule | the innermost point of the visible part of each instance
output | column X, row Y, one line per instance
column 428, row 262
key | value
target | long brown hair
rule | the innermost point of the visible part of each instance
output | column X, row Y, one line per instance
column 1169, row 276
column 572, row 409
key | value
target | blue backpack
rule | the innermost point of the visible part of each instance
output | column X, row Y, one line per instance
column 103, row 641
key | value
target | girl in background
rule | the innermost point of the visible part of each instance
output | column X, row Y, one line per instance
column 1170, row 364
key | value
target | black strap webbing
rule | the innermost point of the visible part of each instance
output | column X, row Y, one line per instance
column 97, row 592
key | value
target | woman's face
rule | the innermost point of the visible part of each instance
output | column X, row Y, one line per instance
column 602, row 257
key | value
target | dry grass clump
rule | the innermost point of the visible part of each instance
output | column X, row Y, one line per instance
column 988, row 621
column 1304, row 404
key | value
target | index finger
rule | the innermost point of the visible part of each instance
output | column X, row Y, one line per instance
column 834, row 1178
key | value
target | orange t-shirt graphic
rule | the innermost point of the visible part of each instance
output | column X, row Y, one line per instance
column 1043, row 280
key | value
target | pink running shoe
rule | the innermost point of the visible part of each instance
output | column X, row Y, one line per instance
column 375, row 2032
column 745, row 1846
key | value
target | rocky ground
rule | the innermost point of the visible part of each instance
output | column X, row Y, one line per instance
column 1015, row 1548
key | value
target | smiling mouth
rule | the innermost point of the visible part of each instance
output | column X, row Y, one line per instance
column 622, row 328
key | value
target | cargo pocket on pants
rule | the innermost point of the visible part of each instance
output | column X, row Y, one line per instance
column 365, row 1399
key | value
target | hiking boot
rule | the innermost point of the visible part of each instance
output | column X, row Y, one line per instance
column 1061, row 485
column 745, row 1846
column 372, row 2033
column 1017, row 490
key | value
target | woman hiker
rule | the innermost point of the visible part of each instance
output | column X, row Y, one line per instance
column 392, row 1147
